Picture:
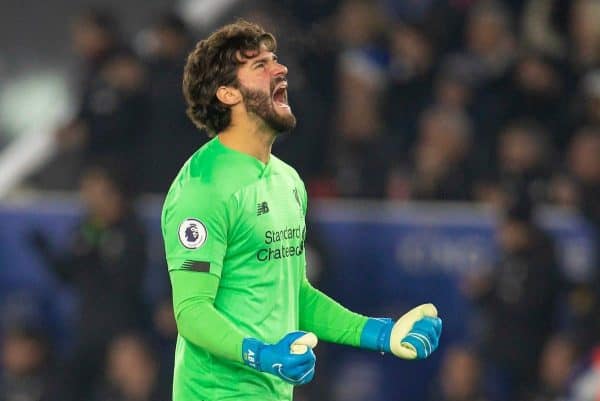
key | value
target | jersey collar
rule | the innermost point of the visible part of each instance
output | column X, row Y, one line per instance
column 264, row 168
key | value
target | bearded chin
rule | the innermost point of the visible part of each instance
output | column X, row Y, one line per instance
column 260, row 104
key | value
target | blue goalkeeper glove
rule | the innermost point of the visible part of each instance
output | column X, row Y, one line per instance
column 414, row 336
column 291, row 359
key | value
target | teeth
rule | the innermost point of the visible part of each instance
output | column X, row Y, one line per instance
column 282, row 85
column 283, row 101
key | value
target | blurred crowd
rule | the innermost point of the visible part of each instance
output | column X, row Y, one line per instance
column 457, row 100
column 122, row 345
column 428, row 100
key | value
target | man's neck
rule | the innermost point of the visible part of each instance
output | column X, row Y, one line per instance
column 251, row 138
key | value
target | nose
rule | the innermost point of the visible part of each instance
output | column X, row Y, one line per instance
column 280, row 70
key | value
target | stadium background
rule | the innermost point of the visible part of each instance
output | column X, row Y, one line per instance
column 451, row 151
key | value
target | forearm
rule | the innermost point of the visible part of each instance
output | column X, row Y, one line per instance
column 329, row 320
column 198, row 321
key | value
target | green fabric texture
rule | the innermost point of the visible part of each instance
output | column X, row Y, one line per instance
column 236, row 224
column 234, row 231
column 197, row 319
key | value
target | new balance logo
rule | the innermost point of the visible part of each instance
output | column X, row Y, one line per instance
column 262, row 208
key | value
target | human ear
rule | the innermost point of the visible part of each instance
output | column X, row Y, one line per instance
column 229, row 95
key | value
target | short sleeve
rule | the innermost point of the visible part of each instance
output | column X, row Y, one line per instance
column 195, row 226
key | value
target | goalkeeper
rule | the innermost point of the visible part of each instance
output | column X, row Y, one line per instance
column 234, row 226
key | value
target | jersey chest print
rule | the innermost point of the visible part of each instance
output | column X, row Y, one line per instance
column 279, row 223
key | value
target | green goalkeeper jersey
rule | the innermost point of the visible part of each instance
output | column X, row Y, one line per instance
column 234, row 231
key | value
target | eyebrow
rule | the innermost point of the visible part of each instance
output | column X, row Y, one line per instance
column 265, row 59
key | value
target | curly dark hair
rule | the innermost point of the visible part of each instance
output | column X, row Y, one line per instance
column 214, row 63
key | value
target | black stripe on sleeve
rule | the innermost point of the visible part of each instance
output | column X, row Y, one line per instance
column 203, row 267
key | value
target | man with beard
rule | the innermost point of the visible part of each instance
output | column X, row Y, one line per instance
column 234, row 227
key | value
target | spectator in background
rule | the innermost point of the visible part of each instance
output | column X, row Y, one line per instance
column 132, row 372
column 359, row 152
column 518, row 298
column 105, row 264
column 584, row 35
column 114, row 116
column 26, row 373
column 112, row 109
column 459, row 377
column 556, row 369
column 536, row 92
column 412, row 57
column 524, row 156
column 581, row 186
column 489, row 52
column 95, row 38
column 585, row 108
column 455, row 83
column 591, row 96
column 584, row 168
column 490, row 42
column 441, row 165
column 169, row 128
column 543, row 23
column 359, row 24
column 112, row 112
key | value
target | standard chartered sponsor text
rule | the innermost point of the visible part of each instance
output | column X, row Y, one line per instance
column 272, row 236
column 284, row 250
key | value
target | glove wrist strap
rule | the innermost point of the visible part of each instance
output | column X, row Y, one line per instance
column 376, row 334
column 251, row 349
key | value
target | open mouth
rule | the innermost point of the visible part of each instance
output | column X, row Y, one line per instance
column 280, row 98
